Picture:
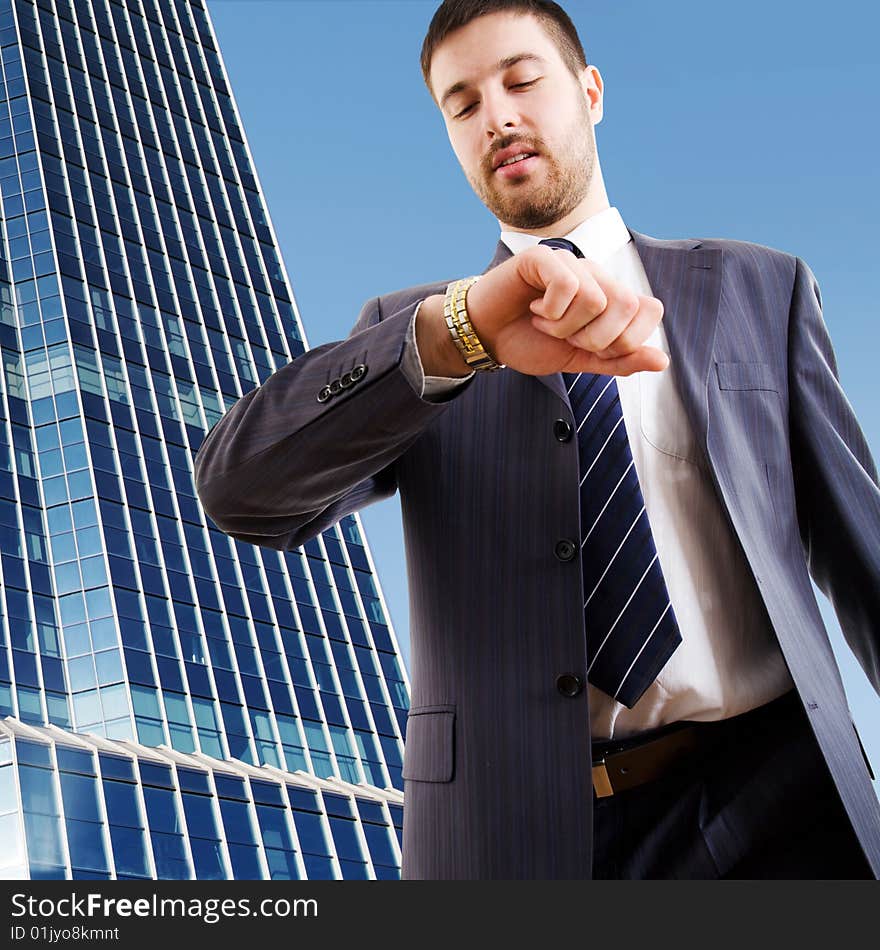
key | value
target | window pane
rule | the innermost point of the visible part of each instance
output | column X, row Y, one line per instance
column 245, row 863
column 43, row 839
column 311, row 833
column 199, row 812
column 86, row 845
column 236, row 821
column 282, row 865
column 318, row 868
column 208, row 860
column 122, row 804
column 161, row 811
column 379, row 844
column 12, row 852
column 8, row 795
column 128, row 851
column 80, row 796
column 37, row 790
column 345, row 836
column 75, row 760
column 170, row 856
column 273, row 825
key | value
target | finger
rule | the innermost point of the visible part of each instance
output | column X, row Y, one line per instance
column 561, row 314
column 644, row 359
column 560, row 283
column 539, row 265
column 639, row 332
column 604, row 329
column 629, row 337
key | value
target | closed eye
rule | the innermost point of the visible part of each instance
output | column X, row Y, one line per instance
column 467, row 110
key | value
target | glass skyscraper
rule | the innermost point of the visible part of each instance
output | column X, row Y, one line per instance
column 179, row 704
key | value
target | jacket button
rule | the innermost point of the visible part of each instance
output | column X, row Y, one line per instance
column 565, row 549
column 562, row 430
column 336, row 386
column 324, row 394
column 569, row 684
column 359, row 372
column 345, row 380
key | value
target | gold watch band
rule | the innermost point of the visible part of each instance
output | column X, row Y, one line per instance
column 463, row 333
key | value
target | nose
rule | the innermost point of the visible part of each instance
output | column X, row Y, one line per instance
column 500, row 116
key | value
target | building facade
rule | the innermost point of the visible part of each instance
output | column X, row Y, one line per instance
column 116, row 809
column 141, row 294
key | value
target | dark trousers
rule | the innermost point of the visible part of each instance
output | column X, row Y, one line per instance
column 757, row 801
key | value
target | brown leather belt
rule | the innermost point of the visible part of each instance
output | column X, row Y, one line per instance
column 615, row 771
column 632, row 762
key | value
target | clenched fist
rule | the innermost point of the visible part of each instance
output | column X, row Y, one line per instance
column 547, row 311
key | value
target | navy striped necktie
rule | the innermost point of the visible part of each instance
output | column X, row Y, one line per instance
column 630, row 624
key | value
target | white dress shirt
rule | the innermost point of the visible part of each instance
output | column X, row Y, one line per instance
column 729, row 660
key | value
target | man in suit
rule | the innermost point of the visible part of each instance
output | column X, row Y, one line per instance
column 619, row 668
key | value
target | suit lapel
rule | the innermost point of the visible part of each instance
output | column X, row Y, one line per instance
column 687, row 278
column 688, row 281
column 502, row 252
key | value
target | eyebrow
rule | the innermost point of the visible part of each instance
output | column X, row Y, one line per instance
column 500, row 66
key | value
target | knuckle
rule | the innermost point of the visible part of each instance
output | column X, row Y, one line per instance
column 651, row 308
column 592, row 339
column 593, row 298
column 630, row 304
column 608, row 340
column 569, row 282
column 626, row 342
column 534, row 256
column 577, row 340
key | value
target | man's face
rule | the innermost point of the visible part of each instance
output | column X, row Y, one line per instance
column 504, row 92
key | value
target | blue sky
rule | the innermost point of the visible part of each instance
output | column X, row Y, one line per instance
column 749, row 121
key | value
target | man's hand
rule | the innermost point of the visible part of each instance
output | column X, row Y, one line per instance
column 547, row 311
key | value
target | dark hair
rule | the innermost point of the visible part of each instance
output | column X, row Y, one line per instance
column 452, row 15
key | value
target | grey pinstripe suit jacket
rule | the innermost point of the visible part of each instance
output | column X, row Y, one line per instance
column 497, row 762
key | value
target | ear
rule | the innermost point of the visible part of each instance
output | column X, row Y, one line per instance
column 593, row 88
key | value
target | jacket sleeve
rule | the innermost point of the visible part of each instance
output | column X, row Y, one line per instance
column 838, row 500
column 288, row 460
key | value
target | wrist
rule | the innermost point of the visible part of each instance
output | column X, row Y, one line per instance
column 437, row 350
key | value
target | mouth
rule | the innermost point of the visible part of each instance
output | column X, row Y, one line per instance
column 516, row 165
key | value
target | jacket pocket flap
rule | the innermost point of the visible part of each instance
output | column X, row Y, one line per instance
column 429, row 750
column 746, row 376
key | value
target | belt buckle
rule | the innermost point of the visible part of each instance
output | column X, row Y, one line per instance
column 602, row 780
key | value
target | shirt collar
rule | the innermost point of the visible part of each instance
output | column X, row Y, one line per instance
column 598, row 238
